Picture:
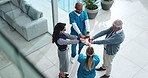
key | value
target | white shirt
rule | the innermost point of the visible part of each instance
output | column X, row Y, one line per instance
column 76, row 27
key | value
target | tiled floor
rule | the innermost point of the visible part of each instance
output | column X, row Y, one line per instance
column 132, row 59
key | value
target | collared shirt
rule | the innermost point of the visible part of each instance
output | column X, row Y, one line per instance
column 112, row 34
column 78, row 22
column 77, row 13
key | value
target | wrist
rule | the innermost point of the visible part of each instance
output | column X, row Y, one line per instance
column 88, row 32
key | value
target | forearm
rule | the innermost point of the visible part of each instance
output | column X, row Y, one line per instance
column 104, row 32
column 70, row 36
column 66, row 42
column 106, row 41
column 87, row 25
column 76, row 28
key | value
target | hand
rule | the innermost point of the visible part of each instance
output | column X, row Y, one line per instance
column 87, row 36
column 91, row 40
column 83, row 41
column 88, row 44
column 82, row 36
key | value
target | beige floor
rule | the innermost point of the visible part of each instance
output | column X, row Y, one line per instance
column 132, row 59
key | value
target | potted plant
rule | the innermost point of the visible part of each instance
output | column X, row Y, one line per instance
column 91, row 8
column 106, row 4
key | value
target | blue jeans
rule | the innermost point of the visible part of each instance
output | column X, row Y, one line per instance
column 73, row 49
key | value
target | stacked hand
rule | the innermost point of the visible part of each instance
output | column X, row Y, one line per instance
column 87, row 43
column 91, row 40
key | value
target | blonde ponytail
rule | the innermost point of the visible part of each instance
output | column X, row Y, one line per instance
column 89, row 62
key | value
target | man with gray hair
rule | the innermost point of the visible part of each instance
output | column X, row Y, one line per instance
column 114, row 37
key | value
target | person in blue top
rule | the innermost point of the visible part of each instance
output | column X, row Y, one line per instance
column 80, row 27
column 87, row 64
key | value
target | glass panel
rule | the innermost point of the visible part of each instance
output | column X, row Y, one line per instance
column 46, row 8
column 66, row 5
column 20, row 65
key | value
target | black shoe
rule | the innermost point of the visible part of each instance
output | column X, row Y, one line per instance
column 100, row 69
column 66, row 75
column 104, row 76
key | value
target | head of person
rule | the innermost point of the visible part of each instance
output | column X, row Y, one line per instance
column 78, row 7
column 117, row 25
column 89, row 62
column 58, row 29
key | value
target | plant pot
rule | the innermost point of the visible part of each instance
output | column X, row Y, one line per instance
column 91, row 13
column 106, row 5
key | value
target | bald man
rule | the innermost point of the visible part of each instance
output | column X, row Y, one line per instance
column 80, row 27
column 114, row 37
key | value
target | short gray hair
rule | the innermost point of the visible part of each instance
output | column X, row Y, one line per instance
column 118, row 23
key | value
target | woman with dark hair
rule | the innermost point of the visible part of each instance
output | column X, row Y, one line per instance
column 62, row 39
column 87, row 64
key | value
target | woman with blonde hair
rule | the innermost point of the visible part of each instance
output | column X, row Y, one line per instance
column 87, row 64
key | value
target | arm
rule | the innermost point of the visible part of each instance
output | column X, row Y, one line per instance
column 66, row 42
column 80, row 58
column 87, row 22
column 76, row 28
column 73, row 22
column 104, row 32
column 70, row 36
column 87, row 26
column 114, row 40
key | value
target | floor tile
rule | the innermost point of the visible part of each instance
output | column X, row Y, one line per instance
column 35, row 57
column 141, row 74
column 43, row 64
column 146, row 67
column 123, row 68
column 137, row 54
column 53, row 74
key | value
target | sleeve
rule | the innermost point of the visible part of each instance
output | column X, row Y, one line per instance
column 76, row 28
column 73, row 22
column 70, row 36
column 104, row 32
column 86, row 16
column 81, row 57
column 61, row 41
column 113, row 40
column 97, row 59
column 87, row 25
column 71, row 18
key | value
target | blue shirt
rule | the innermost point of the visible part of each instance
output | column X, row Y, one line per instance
column 112, row 43
column 79, row 20
column 82, row 72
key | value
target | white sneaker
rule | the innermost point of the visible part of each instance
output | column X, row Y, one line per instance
column 72, row 60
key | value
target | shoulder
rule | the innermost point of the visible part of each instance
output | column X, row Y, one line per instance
column 96, row 58
column 62, row 35
column 84, row 11
column 71, row 13
column 81, row 57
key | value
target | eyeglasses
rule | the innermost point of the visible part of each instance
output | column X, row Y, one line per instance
column 64, row 29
